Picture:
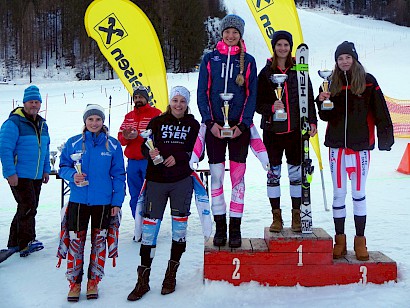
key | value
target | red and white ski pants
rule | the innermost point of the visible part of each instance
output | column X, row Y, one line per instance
column 237, row 173
column 345, row 162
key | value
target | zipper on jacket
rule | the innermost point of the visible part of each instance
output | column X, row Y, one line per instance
column 347, row 86
column 78, row 217
column 227, row 69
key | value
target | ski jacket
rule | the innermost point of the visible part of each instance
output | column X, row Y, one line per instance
column 24, row 146
column 215, row 66
column 137, row 119
column 351, row 123
column 104, row 169
column 266, row 97
column 174, row 137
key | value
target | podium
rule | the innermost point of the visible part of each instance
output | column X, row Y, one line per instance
column 289, row 258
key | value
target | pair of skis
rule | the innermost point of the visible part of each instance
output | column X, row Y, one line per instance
column 302, row 69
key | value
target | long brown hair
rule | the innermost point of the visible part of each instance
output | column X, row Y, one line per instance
column 240, row 80
column 288, row 63
column 356, row 75
column 168, row 110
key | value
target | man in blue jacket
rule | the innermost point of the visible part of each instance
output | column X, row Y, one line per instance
column 24, row 154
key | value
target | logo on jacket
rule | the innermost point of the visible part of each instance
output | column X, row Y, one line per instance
column 216, row 58
column 175, row 132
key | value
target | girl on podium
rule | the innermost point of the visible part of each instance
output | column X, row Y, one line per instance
column 228, row 80
column 359, row 106
column 93, row 164
column 278, row 103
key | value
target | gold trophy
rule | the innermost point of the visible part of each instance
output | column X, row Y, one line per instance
column 226, row 131
column 53, row 159
column 325, row 74
column 77, row 165
column 146, row 134
column 280, row 114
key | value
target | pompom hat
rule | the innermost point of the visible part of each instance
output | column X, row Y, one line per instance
column 346, row 48
column 180, row 90
column 32, row 93
column 93, row 109
column 232, row 21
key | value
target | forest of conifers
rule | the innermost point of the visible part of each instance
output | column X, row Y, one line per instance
column 44, row 33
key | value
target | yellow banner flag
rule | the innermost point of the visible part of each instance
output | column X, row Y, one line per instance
column 129, row 42
column 274, row 15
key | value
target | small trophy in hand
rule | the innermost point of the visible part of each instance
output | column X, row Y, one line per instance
column 325, row 74
column 77, row 165
column 280, row 114
column 53, row 159
column 146, row 134
column 226, row 131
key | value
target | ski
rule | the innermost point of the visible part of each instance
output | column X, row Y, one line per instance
column 6, row 253
column 302, row 68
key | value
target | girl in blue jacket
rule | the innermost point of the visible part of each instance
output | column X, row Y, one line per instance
column 96, row 191
column 228, row 69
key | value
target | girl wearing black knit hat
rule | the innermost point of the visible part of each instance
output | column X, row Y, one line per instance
column 359, row 105
column 283, row 137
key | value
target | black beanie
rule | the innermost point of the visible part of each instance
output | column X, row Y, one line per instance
column 281, row 34
column 346, row 48
column 141, row 90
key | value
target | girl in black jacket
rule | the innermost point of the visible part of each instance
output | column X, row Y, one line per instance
column 359, row 106
column 283, row 136
column 174, row 133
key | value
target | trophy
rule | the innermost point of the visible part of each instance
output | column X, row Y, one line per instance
column 325, row 74
column 77, row 165
column 53, row 158
column 146, row 134
column 226, row 131
column 280, row 114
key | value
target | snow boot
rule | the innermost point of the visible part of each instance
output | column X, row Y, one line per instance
column 360, row 248
column 32, row 246
column 6, row 253
column 168, row 285
column 92, row 289
column 296, row 226
column 142, row 285
column 235, row 239
column 277, row 224
column 339, row 250
column 220, row 232
column 74, row 292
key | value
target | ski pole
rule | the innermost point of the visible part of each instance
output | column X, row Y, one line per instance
column 109, row 115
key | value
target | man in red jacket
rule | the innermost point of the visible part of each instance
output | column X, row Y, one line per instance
column 134, row 123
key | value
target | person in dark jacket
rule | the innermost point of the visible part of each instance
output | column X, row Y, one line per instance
column 228, row 69
column 174, row 134
column 25, row 158
column 283, row 137
column 359, row 106
column 97, row 191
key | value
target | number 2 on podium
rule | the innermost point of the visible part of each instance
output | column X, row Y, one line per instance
column 236, row 275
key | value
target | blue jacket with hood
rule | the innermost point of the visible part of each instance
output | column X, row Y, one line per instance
column 103, row 166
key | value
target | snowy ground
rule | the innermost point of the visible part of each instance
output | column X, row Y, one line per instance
column 34, row 281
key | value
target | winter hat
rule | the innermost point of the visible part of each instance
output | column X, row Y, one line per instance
column 32, row 93
column 232, row 21
column 279, row 35
column 179, row 90
column 93, row 109
column 346, row 48
column 141, row 90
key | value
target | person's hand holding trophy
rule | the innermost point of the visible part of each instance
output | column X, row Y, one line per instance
column 325, row 74
column 79, row 177
column 279, row 79
column 226, row 131
column 154, row 153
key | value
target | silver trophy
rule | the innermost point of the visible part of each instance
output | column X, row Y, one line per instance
column 76, row 157
column 280, row 114
column 53, row 159
column 146, row 134
column 226, row 131
column 325, row 74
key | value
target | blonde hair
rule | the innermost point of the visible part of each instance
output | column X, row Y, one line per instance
column 168, row 110
column 104, row 129
column 357, row 76
column 240, row 80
